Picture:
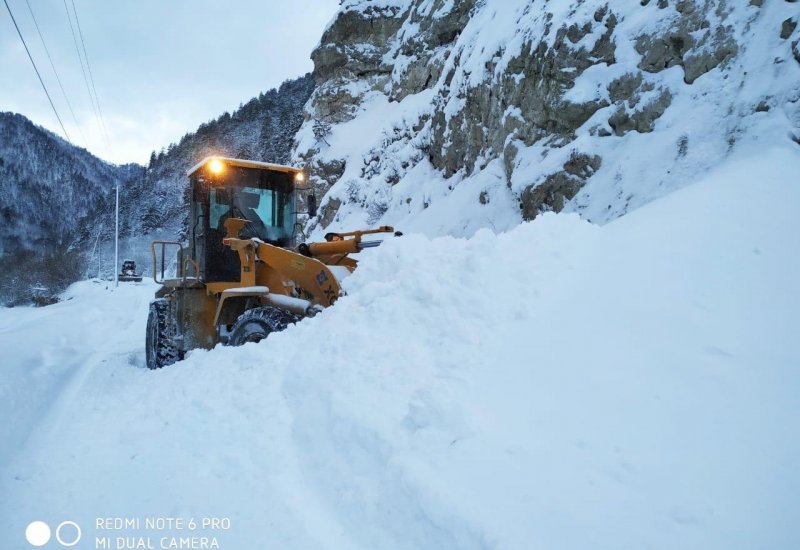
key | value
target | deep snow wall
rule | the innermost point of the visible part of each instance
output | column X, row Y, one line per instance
column 634, row 385
column 450, row 115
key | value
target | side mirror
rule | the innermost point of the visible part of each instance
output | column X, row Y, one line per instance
column 311, row 202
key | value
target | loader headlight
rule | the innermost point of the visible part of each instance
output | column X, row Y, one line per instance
column 299, row 177
column 216, row 166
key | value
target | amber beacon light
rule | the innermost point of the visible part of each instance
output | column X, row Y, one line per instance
column 216, row 166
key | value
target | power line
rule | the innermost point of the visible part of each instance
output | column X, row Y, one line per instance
column 83, row 70
column 49, row 57
column 37, row 70
column 91, row 76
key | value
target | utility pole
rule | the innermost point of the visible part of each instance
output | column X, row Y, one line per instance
column 116, row 242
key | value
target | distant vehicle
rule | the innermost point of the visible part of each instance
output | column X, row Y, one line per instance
column 128, row 273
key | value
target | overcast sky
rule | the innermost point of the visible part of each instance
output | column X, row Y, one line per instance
column 160, row 67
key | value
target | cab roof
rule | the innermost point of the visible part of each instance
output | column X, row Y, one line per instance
column 241, row 163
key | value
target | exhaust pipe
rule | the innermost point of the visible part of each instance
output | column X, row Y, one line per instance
column 298, row 306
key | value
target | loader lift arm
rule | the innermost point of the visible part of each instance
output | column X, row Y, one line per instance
column 339, row 245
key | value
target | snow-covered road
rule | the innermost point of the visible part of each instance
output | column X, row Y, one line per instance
column 559, row 386
column 95, row 434
column 49, row 353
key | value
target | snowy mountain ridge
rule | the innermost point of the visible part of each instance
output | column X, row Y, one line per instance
column 448, row 116
column 48, row 187
column 55, row 199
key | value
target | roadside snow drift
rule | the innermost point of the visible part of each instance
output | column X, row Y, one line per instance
column 559, row 386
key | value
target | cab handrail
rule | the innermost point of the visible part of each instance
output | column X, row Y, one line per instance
column 164, row 245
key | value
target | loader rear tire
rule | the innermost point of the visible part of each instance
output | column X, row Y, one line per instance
column 160, row 350
column 256, row 324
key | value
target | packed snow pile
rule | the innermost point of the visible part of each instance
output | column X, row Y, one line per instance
column 561, row 385
column 447, row 116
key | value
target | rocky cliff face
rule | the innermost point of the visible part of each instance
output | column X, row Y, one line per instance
column 451, row 115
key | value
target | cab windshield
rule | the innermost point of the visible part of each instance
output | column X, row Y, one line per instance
column 263, row 198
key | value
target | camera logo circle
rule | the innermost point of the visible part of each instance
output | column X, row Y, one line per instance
column 74, row 527
column 37, row 533
column 68, row 533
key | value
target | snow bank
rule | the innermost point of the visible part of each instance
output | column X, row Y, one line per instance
column 561, row 385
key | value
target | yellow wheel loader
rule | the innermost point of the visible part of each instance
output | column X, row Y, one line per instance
column 241, row 275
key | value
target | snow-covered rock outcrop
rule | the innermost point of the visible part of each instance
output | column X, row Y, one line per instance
column 450, row 115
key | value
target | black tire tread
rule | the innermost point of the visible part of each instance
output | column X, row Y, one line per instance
column 160, row 350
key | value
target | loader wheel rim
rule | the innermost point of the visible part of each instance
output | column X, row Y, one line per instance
column 254, row 332
column 255, row 325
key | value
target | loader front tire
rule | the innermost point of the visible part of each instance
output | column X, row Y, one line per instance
column 160, row 350
column 256, row 324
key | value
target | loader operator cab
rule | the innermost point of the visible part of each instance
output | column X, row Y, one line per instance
column 261, row 194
